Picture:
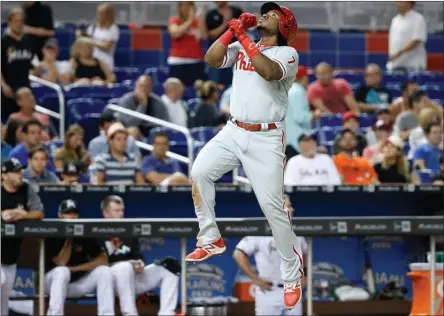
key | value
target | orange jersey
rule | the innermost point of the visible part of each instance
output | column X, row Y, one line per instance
column 355, row 170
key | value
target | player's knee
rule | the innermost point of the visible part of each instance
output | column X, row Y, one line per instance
column 124, row 268
column 61, row 274
column 197, row 173
column 103, row 272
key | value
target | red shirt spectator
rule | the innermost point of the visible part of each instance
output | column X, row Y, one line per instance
column 189, row 45
column 330, row 95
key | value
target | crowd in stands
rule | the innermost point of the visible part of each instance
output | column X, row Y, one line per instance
column 340, row 129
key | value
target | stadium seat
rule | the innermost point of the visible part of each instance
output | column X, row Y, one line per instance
column 425, row 77
column 49, row 101
column 126, row 73
column 204, row 134
column 90, row 123
column 114, row 101
column 349, row 76
column 39, row 90
column 77, row 108
column 189, row 93
column 193, row 104
column 328, row 132
column 331, row 120
column 394, row 77
column 366, row 120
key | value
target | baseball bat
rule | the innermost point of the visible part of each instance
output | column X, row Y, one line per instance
column 368, row 271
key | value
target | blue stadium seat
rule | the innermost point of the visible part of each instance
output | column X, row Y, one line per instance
column 350, row 76
column 425, row 77
column 193, row 104
column 189, row 93
column 394, row 77
column 39, row 90
column 204, row 134
column 331, row 120
column 338, row 129
column 393, row 85
column 329, row 133
column 425, row 176
column 77, row 108
column 433, row 86
column 366, row 120
column 127, row 73
column 49, row 101
column 435, row 94
column 90, row 123
column 114, row 101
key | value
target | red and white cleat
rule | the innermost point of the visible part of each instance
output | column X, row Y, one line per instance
column 292, row 294
column 207, row 251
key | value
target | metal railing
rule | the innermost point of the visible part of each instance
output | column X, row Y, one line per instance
column 60, row 96
column 185, row 131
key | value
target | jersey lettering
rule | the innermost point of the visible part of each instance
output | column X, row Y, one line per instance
column 243, row 63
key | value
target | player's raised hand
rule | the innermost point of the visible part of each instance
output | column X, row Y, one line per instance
column 237, row 27
column 248, row 20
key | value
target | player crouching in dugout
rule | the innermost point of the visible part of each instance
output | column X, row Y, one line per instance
column 76, row 267
column 131, row 276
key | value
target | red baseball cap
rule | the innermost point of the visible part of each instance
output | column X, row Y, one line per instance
column 348, row 115
column 302, row 72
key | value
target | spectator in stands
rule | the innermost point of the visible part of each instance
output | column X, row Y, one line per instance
column 216, row 22
column 26, row 102
column 13, row 133
column 71, row 173
column 299, row 117
column 331, row 95
column 36, row 172
column 187, row 30
column 39, row 25
column 116, row 166
column 142, row 100
column 158, row 169
column 417, row 136
column 135, row 133
column 100, row 144
column 393, row 168
column 73, row 149
column 350, row 120
column 374, row 153
column 354, row 169
column 408, row 120
column 224, row 104
column 384, row 116
column 407, row 38
column 427, row 156
column 50, row 68
column 172, row 98
column 6, row 148
column 206, row 113
column 103, row 35
column 371, row 96
column 310, row 167
column 16, row 62
column 86, row 69
column 32, row 137
column 401, row 103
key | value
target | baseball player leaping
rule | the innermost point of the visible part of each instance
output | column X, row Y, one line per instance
column 254, row 135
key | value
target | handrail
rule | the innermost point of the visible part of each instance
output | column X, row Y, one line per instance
column 153, row 120
column 61, row 98
column 43, row 110
column 169, row 154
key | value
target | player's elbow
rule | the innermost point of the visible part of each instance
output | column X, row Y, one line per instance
column 212, row 61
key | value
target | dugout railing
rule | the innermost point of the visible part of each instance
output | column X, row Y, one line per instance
column 431, row 226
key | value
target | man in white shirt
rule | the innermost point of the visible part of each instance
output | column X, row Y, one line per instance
column 172, row 98
column 407, row 37
column 310, row 167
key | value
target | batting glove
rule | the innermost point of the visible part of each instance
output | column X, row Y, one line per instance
column 248, row 20
column 237, row 27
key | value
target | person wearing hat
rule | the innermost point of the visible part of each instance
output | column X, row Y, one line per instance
column 76, row 267
column 393, row 168
column 382, row 132
column 100, row 144
column 311, row 167
column 131, row 276
column 117, row 166
column 386, row 118
column 299, row 117
column 51, row 69
column 19, row 202
column 350, row 120
column 70, row 174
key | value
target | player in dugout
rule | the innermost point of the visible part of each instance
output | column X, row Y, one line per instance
column 76, row 267
column 131, row 276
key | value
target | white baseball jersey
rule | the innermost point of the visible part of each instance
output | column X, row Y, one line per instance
column 254, row 99
column 266, row 255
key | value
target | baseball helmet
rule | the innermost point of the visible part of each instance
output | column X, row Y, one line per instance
column 287, row 25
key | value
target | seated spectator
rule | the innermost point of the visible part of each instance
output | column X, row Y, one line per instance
column 100, row 144
column 116, row 166
column 406, row 121
column 103, row 35
column 299, row 118
column 371, row 96
column 50, row 68
column 142, row 100
column 36, row 172
column 331, row 95
column 427, row 156
column 354, row 169
column 73, row 149
column 32, row 137
column 374, row 153
column 172, row 98
column 71, row 173
column 158, row 169
column 86, row 69
column 401, row 103
column 310, row 167
column 26, row 102
column 224, row 104
column 350, row 121
column 417, row 137
column 381, row 115
column 187, row 30
column 13, row 133
column 135, row 133
column 206, row 113
column 393, row 168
